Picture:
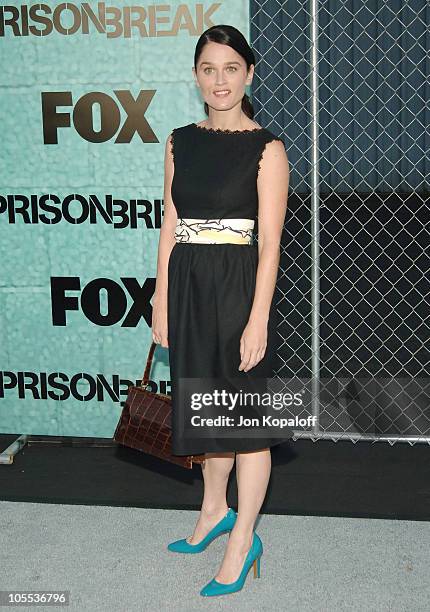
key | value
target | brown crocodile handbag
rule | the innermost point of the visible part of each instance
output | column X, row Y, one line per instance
column 146, row 422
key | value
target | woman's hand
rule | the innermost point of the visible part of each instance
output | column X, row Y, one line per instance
column 253, row 344
column 159, row 321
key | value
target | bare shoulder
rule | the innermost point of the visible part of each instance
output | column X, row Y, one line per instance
column 169, row 143
column 275, row 144
column 169, row 149
column 274, row 151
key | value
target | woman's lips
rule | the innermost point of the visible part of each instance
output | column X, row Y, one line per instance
column 221, row 94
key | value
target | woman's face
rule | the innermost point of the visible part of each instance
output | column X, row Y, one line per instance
column 221, row 69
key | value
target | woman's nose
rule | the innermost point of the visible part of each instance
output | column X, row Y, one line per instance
column 220, row 79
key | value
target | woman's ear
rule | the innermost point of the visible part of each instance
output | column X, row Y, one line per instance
column 193, row 70
column 250, row 75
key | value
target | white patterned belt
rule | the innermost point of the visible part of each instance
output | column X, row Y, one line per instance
column 214, row 231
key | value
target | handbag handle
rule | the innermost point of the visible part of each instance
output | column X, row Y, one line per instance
column 145, row 379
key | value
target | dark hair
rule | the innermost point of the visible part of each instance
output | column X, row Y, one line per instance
column 231, row 36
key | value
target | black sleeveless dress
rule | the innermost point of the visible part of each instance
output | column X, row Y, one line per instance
column 211, row 286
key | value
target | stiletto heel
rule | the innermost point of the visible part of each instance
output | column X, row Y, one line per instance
column 252, row 558
column 257, row 568
column 225, row 525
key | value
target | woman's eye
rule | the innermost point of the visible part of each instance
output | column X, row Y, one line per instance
column 229, row 68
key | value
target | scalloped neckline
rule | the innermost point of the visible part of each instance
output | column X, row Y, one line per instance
column 221, row 131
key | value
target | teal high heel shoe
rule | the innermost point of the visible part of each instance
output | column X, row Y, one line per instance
column 253, row 557
column 225, row 524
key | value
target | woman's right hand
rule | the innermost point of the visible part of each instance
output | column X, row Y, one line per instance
column 159, row 322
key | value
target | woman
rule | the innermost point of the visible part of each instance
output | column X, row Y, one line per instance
column 213, row 304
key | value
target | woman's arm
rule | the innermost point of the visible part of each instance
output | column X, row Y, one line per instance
column 165, row 246
column 272, row 186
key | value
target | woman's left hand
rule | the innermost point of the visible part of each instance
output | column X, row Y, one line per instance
column 253, row 344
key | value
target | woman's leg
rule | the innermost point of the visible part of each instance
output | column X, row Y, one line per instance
column 253, row 474
column 216, row 470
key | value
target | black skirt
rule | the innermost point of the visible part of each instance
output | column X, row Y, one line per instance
column 210, row 294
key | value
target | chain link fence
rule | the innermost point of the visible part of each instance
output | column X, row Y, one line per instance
column 346, row 84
